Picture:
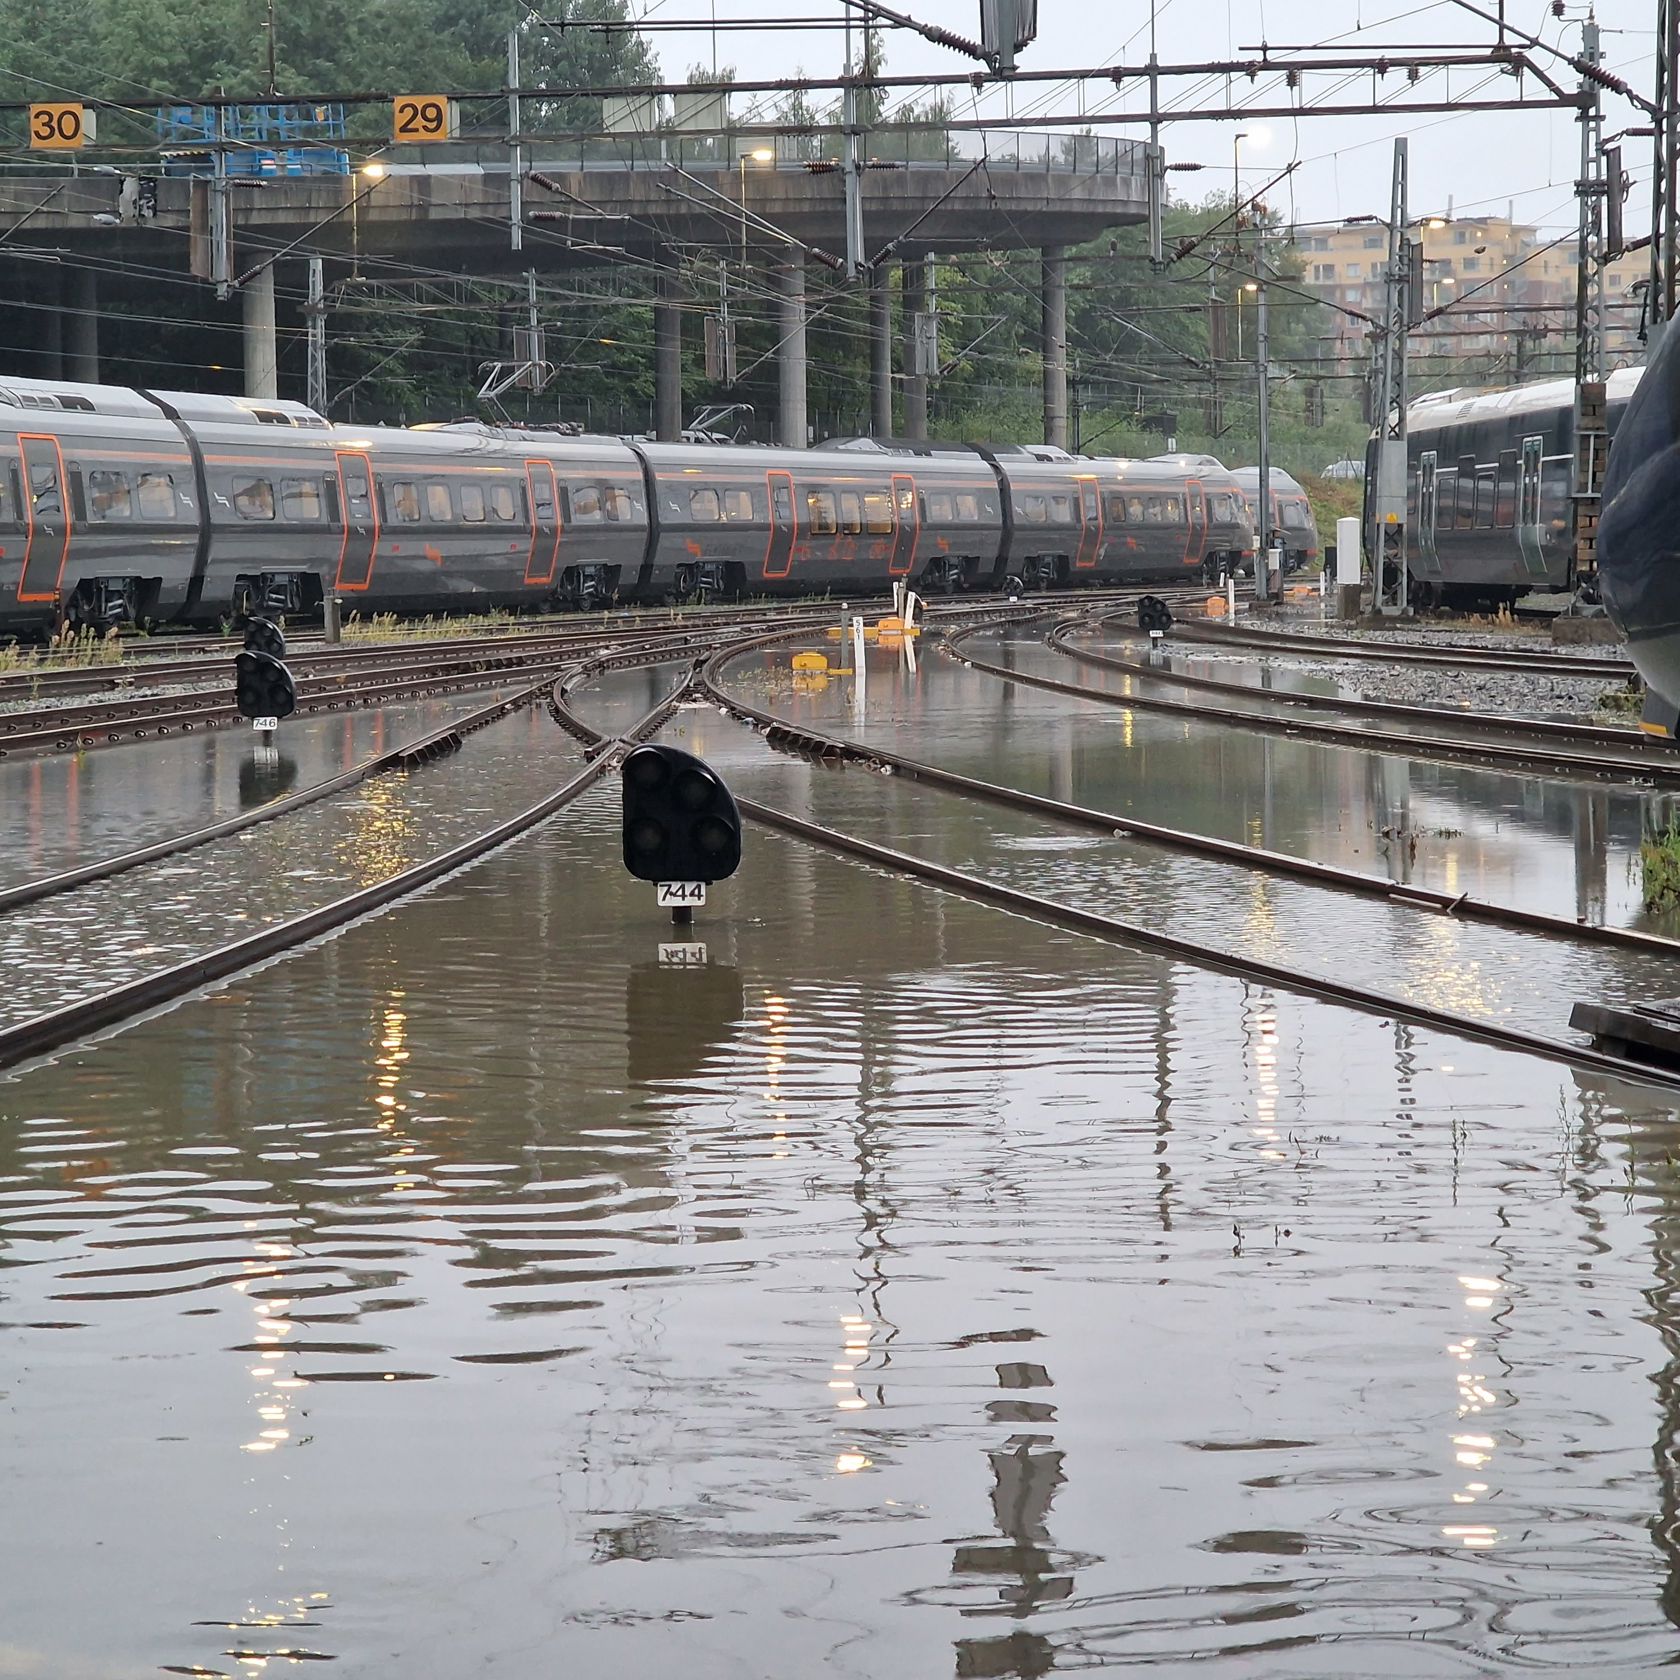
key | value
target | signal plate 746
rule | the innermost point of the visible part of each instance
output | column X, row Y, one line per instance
column 266, row 724
column 677, row 895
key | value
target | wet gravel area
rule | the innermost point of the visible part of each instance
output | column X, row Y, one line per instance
column 1517, row 693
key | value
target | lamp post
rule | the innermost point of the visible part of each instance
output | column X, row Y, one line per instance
column 759, row 154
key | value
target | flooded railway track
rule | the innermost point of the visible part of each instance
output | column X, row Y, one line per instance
column 1635, row 765
column 1060, row 914
column 1061, row 637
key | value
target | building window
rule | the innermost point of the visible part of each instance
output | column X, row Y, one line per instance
column 1373, row 242
column 1354, row 271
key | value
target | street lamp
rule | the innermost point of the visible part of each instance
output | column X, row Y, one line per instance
column 759, row 154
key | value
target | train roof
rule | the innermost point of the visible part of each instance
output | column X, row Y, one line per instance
column 1249, row 479
column 1201, row 465
column 1469, row 408
column 69, row 396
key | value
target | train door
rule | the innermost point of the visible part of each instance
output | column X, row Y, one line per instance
column 47, row 544
column 545, row 523
column 784, row 525
column 361, row 521
column 1090, row 524
column 907, row 524
column 1195, row 501
column 1528, row 506
column 1429, row 562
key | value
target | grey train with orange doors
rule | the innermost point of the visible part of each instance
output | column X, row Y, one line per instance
column 145, row 507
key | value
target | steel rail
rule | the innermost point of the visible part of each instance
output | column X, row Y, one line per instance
column 1057, row 914
column 1407, row 653
column 802, row 740
column 1059, row 638
column 433, row 744
column 1538, row 759
column 77, row 1021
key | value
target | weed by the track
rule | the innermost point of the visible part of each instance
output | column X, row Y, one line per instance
column 1659, row 863
column 67, row 651
column 1623, row 701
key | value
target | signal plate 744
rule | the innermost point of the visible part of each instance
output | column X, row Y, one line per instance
column 678, row 895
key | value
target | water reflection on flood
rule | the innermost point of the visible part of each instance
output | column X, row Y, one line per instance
column 909, row 1291
column 1568, row 848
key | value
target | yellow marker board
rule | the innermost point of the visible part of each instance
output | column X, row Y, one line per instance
column 60, row 128
column 424, row 116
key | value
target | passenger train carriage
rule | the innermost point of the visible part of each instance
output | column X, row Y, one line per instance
column 1489, row 478
column 129, row 506
column 1292, row 525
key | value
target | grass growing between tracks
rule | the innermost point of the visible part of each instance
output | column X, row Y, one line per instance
column 1659, row 863
column 70, row 650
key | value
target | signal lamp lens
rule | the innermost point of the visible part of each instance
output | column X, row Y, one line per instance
column 646, row 836
column 693, row 791
column 713, row 836
column 645, row 770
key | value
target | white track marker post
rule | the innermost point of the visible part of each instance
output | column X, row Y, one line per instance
column 860, row 668
column 1347, row 568
column 1230, row 596
column 911, row 601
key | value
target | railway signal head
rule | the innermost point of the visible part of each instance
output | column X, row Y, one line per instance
column 263, row 635
column 263, row 687
column 1154, row 614
column 680, row 821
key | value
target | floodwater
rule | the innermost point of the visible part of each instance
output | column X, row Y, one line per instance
column 61, row 810
column 907, row 1290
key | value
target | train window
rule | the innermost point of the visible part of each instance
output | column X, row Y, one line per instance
column 472, row 504
column 402, row 501
column 1297, row 516
column 438, row 506
column 939, row 508
column 1031, row 510
column 109, row 496
column 1444, row 501
column 968, row 507
column 823, row 520
column 1061, row 509
column 781, row 502
column 1172, row 510
column 253, row 498
column 300, row 500
column 1152, row 510
column 737, row 504
column 503, row 506
column 851, row 512
column 1484, row 499
column 1114, row 508
column 620, row 509
column 877, row 513
column 1134, row 510
column 586, row 505
column 43, row 489
column 703, row 506
column 8, row 488
column 906, row 499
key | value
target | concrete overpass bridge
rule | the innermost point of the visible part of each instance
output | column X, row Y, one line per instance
column 773, row 204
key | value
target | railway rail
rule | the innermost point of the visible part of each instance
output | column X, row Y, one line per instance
column 1407, row 653
column 1061, row 637
column 1538, row 757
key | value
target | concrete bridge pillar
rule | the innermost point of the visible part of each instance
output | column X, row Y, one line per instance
column 914, row 281
column 262, row 346
column 880, row 354
column 81, row 326
column 792, row 416
column 48, row 320
column 1054, row 298
column 667, row 359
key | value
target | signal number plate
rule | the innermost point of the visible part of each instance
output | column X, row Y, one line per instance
column 681, row 894
column 265, row 723
column 682, row 956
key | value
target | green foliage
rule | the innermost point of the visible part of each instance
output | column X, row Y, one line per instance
column 1659, row 861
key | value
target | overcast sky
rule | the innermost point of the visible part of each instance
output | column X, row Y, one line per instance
column 1480, row 161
